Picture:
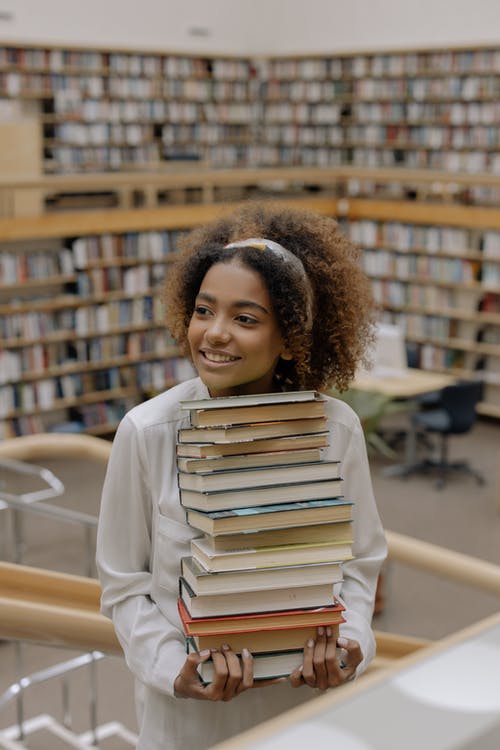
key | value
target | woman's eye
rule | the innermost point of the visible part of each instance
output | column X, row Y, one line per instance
column 247, row 319
column 201, row 310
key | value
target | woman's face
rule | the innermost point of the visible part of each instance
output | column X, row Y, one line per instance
column 233, row 335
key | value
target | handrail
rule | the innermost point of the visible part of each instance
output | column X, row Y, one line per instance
column 55, row 445
column 444, row 562
column 60, row 608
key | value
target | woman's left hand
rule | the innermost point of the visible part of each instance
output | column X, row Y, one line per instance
column 321, row 667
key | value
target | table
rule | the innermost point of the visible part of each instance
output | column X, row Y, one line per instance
column 406, row 384
column 403, row 385
column 447, row 696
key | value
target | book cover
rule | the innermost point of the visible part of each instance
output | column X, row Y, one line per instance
column 243, row 497
column 243, row 623
column 257, row 413
column 261, row 640
column 252, row 431
column 237, row 602
column 286, row 443
column 271, row 516
column 247, row 460
column 266, row 557
column 265, row 666
column 203, row 582
column 251, row 400
column 259, row 476
column 340, row 531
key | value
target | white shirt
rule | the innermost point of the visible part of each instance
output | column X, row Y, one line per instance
column 143, row 534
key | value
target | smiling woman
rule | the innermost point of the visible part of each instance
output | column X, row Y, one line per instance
column 265, row 300
column 234, row 337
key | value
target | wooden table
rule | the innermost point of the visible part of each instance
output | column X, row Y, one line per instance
column 405, row 386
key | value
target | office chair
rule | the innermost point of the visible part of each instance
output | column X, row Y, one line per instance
column 454, row 414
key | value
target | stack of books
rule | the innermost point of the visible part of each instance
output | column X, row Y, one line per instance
column 276, row 527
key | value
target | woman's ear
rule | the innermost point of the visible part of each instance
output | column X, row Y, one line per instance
column 285, row 354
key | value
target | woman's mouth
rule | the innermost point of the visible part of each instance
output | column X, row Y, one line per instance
column 218, row 357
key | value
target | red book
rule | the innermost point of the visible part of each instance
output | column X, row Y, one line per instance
column 263, row 631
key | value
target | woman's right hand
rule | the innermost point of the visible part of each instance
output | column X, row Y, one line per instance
column 232, row 676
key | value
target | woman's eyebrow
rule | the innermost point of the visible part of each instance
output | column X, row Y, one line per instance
column 243, row 303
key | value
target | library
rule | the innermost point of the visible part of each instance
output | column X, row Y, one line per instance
column 116, row 141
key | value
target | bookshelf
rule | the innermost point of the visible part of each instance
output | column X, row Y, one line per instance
column 435, row 271
column 113, row 110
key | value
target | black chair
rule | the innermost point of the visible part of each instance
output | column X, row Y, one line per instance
column 454, row 414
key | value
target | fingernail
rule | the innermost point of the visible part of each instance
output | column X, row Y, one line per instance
column 342, row 642
column 321, row 631
column 245, row 652
column 310, row 643
column 205, row 652
column 329, row 632
column 225, row 647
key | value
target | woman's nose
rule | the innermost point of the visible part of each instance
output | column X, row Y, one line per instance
column 218, row 330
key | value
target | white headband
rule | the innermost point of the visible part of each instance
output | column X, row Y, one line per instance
column 287, row 257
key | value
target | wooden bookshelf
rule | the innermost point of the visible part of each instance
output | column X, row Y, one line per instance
column 102, row 110
column 435, row 271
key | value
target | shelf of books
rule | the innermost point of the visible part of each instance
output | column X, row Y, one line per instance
column 82, row 329
column 435, row 272
column 105, row 110
column 277, row 527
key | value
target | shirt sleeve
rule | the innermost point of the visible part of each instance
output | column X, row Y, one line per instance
column 369, row 549
column 154, row 647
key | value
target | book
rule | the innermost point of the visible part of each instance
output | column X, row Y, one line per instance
column 238, row 602
column 258, row 413
column 203, row 582
column 265, row 666
column 267, row 557
column 330, row 614
column 246, row 432
column 327, row 532
column 251, row 399
column 259, row 476
column 247, row 460
column 307, row 512
column 286, row 443
column 245, row 497
column 261, row 640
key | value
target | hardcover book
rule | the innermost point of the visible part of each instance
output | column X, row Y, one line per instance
column 266, row 557
column 265, row 666
column 258, row 413
column 261, row 476
column 259, row 518
column 250, row 399
column 293, row 618
column 340, row 531
column 286, row 443
column 246, row 432
column 257, row 639
column 248, row 460
column 238, row 602
column 203, row 582
column 253, row 496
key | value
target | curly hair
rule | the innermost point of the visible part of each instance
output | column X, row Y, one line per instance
column 343, row 310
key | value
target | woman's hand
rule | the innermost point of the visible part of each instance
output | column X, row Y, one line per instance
column 321, row 668
column 232, row 676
